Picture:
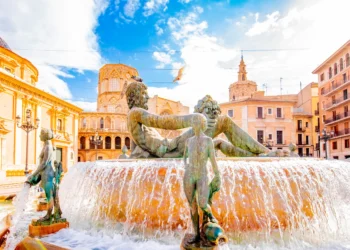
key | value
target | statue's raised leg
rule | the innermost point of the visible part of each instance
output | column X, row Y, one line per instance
column 230, row 150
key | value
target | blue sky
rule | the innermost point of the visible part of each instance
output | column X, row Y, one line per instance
column 69, row 40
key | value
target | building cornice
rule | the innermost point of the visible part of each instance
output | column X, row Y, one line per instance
column 34, row 92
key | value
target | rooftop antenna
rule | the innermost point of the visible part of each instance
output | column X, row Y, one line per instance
column 281, row 84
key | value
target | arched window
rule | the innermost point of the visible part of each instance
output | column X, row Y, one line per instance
column 330, row 72
column 118, row 143
column 127, row 142
column 92, row 146
column 335, row 69
column 82, row 142
column 84, row 122
column 347, row 60
column 101, row 123
column 108, row 142
column 100, row 145
column 341, row 64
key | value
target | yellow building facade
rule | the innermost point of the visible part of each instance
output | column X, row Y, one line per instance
column 275, row 121
column 19, row 96
column 110, row 119
column 334, row 88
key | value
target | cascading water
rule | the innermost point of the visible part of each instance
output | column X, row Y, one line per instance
column 19, row 228
column 293, row 203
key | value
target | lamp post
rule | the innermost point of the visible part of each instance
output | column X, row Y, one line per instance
column 96, row 140
column 325, row 136
column 27, row 126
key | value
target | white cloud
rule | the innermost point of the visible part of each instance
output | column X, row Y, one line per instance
column 208, row 61
column 184, row 1
column 261, row 27
column 159, row 29
column 163, row 59
column 131, row 7
column 152, row 6
column 86, row 106
column 52, row 35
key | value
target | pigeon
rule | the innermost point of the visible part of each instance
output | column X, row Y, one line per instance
column 137, row 78
column 179, row 74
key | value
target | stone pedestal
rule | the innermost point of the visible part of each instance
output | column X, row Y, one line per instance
column 41, row 230
column 202, row 245
column 42, row 206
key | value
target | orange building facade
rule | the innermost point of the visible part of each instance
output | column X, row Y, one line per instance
column 110, row 120
column 334, row 101
column 275, row 121
column 19, row 96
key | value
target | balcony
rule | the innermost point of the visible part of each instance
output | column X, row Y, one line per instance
column 260, row 117
column 338, row 117
column 281, row 142
column 301, row 129
column 336, row 86
column 343, row 132
column 279, row 117
column 336, row 102
column 299, row 143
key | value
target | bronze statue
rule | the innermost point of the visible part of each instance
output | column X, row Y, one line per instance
column 197, row 186
column 149, row 143
column 48, row 178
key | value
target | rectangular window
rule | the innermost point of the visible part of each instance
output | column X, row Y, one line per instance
column 324, row 146
column 300, row 124
column 345, row 94
column 333, row 99
column 322, row 91
column 322, row 77
column 346, row 143
column 344, row 78
column 260, row 136
column 269, row 111
column 100, row 158
column 260, row 112
column 279, row 137
column 270, row 136
column 59, row 125
column 230, row 112
column 324, row 118
column 334, row 145
column 307, row 140
column 307, row 152
column 336, row 157
column 279, row 112
column 300, row 139
column 306, row 124
column 346, row 109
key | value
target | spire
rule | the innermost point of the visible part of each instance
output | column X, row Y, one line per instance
column 242, row 73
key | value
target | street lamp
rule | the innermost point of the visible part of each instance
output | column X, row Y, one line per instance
column 325, row 136
column 96, row 140
column 27, row 126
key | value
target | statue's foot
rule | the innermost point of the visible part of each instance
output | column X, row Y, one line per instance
column 45, row 218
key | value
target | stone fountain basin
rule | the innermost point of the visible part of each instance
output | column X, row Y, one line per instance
column 256, row 193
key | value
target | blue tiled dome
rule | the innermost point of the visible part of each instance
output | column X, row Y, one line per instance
column 4, row 44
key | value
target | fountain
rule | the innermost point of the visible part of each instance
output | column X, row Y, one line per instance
column 263, row 202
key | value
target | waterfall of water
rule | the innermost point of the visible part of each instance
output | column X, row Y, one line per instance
column 286, row 201
column 16, row 230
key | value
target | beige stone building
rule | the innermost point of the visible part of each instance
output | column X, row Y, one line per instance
column 19, row 96
column 275, row 121
column 110, row 119
column 334, row 79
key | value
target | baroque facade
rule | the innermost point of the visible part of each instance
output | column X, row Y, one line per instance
column 19, row 95
column 334, row 78
column 109, row 121
column 275, row 121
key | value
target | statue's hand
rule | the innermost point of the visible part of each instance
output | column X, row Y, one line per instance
column 216, row 183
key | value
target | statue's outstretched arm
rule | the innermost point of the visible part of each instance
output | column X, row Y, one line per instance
column 170, row 122
column 239, row 138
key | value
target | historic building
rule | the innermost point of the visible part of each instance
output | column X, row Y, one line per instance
column 334, row 79
column 19, row 96
column 275, row 121
column 110, row 119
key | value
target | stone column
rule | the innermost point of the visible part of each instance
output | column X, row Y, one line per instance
column 113, row 141
column 18, row 133
column 87, row 142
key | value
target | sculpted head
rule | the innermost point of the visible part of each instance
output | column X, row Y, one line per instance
column 199, row 124
column 46, row 134
column 136, row 95
column 208, row 107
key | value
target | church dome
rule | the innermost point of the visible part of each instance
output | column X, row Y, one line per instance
column 3, row 44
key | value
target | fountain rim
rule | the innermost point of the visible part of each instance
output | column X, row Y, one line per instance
column 236, row 159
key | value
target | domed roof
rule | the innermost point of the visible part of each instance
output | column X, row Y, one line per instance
column 4, row 44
